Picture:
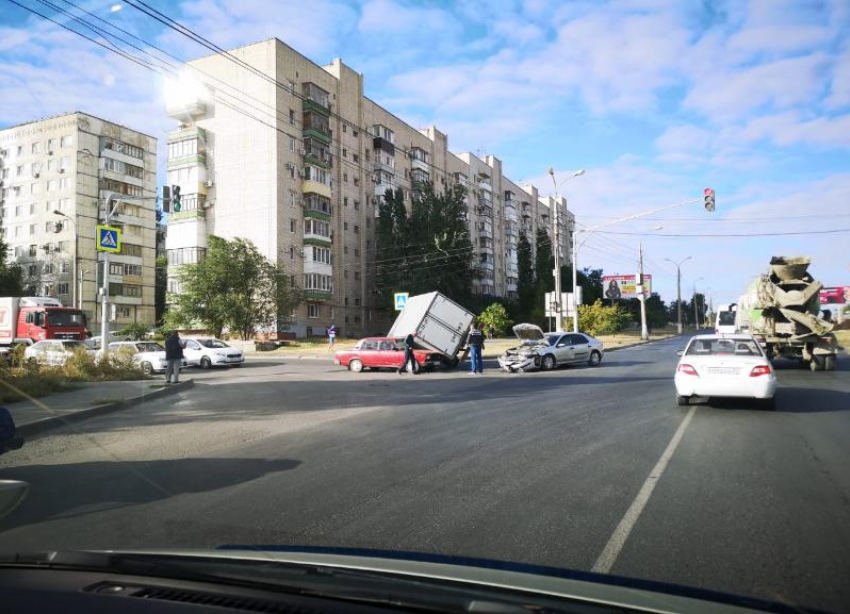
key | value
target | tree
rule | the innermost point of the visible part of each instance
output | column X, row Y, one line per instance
column 11, row 274
column 589, row 280
column 598, row 318
column 236, row 288
column 426, row 250
column 496, row 316
column 525, row 275
column 544, row 260
column 135, row 332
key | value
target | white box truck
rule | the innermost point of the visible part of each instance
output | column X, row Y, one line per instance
column 438, row 323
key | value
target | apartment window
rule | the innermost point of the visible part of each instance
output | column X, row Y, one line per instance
column 345, row 273
column 346, row 301
column 122, row 312
column 52, row 164
column 356, row 181
column 292, row 198
column 356, row 253
column 344, row 150
column 316, row 281
column 345, row 225
column 33, row 250
column 179, row 149
column 19, row 170
column 316, row 227
column 292, row 253
column 345, row 177
column 291, row 171
column 368, row 223
column 48, row 268
column 35, row 188
column 67, row 140
column 49, row 226
column 124, row 148
column 357, row 302
column 64, row 204
column 137, row 172
column 118, row 268
column 65, row 183
column 64, row 162
column 33, row 229
column 345, row 250
column 356, row 229
column 367, row 155
column 355, row 132
column 357, row 275
column 52, row 185
column 291, row 116
column 65, row 266
column 130, row 290
column 344, row 129
column 129, row 249
column 183, row 255
column 19, row 251
column 291, row 144
column 357, row 205
column 19, row 210
column 121, row 187
column 355, row 157
column 405, row 173
column 357, row 319
column 51, row 144
column 368, row 245
column 17, row 230
column 312, row 310
column 292, row 226
column 321, row 254
column 346, row 319
column 36, row 147
column 32, row 270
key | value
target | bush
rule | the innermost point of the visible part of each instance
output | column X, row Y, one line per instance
column 599, row 319
column 17, row 384
column 118, row 365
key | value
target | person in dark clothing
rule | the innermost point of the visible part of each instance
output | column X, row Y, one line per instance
column 475, row 340
column 492, row 330
column 173, row 356
column 408, row 355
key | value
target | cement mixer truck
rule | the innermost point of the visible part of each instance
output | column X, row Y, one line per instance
column 781, row 310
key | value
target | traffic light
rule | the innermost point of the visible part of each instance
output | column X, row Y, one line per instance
column 175, row 198
column 166, row 199
column 709, row 199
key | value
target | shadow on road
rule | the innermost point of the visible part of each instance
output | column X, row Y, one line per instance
column 67, row 490
column 789, row 400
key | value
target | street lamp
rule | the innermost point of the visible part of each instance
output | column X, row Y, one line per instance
column 556, row 241
column 77, row 295
column 679, row 288
column 696, row 309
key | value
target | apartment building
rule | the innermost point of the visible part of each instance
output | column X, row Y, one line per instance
column 55, row 175
column 294, row 157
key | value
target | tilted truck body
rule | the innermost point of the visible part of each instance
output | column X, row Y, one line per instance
column 25, row 320
column 781, row 309
column 437, row 322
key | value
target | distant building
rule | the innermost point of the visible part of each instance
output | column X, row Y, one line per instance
column 56, row 174
column 299, row 170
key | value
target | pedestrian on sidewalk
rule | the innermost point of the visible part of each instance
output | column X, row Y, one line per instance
column 492, row 331
column 475, row 340
column 332, row 330
column 408, row 355
column 173, row 358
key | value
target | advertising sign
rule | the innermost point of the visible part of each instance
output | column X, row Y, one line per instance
column 624, row 286
column 837, row 295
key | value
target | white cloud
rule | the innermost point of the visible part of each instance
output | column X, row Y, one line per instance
column 792, row 128
column 839, row 95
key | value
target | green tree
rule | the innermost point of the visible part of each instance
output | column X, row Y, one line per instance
column 135, row 332
column 525, row 275
column 496, row 316
column 599, row 319
column 235, row 287
column 426, row 250
column 544, row 260
column 11, row 274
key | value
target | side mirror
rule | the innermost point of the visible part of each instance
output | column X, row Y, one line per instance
column 680, row 352
column 561, row 345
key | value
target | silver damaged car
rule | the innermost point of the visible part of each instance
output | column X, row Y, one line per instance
column 547, row 351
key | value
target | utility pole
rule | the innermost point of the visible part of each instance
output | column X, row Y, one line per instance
column 104, row 290
column 696, row 310
column 644, row 331
column 556, row 239
column 679, row 290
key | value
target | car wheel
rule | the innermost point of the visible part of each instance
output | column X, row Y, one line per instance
column 355, row 365
column 548, row 362
column 829, row 363
column 147, row 368
column 205, row 363
column 680, row 400
column 768, row 403
column 817, row 363
column 595, row 359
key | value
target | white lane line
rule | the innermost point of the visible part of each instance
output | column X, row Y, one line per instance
column 618, row 538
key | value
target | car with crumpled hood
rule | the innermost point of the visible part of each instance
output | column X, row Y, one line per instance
column 547, row 351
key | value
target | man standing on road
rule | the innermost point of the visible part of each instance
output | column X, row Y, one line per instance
column 408, row 356
column 173, row 358
column 331, row 336
column 492, row 330
column 475, row 340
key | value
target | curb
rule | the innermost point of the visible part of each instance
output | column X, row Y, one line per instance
column 39, row 426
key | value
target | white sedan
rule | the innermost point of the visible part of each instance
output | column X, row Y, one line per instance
column 206, row 352
column 725, row 366
column 55, row 352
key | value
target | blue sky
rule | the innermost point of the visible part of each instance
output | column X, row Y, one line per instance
column 656, row 100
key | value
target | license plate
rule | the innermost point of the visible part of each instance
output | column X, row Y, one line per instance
column 723, row 370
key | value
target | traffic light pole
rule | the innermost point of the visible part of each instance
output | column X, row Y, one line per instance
column 104, row 289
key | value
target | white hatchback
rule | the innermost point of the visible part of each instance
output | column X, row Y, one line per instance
column 206, row 352
column 724, row 366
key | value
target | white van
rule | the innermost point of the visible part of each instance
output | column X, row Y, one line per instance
column 725, row 321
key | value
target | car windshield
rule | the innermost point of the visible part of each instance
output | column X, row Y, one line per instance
column 724, row 347
column 65, row 318
column 302, row 186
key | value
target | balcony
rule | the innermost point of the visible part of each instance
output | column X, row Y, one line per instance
column 510, row 213
column 314, row 187
column 311, row 105
column 381, row 144
column 324, row 162
column 485, row 185
column 485, row 211
column 318, row 295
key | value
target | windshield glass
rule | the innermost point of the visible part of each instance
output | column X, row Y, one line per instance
column 65, row 318
column 303, row 186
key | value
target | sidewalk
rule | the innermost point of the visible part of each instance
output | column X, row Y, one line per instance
column 94, row 399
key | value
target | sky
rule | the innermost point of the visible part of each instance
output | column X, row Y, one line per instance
column 654, row 100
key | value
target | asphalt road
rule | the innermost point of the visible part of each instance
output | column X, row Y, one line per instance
column 582, row 468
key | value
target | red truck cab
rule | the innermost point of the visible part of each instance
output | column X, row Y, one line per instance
column 31, row 319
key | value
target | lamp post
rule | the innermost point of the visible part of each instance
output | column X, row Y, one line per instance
column 679, row 289
column 77, row 296
column 556, row 241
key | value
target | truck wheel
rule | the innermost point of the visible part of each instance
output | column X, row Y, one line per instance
column 817, row 363
column 355, row 365
column 829, row 363
column 680, row 400
column 548, row 362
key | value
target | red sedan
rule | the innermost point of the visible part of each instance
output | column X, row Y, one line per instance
column 382, row 353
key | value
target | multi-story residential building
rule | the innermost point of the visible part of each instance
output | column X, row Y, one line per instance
column 56, row 174
column 292, row 156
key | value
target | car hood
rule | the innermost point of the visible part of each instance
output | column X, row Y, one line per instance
column 529, row 332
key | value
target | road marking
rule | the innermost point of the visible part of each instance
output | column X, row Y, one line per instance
column 618, row 538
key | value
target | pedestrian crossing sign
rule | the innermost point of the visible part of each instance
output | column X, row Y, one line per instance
column 108, row 239
column 400, row 299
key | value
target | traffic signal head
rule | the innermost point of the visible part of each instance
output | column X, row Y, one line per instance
column 166, row 199
column 709, row 199
column 175, row 198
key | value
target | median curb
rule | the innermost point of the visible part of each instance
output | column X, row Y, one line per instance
column 39, row 426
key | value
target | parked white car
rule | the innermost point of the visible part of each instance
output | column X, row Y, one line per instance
column 55, row 352
column 547, row 351
column 149, row 355
column 206, row 352
column 725, row 366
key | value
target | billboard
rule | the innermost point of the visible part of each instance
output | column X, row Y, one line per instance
column 836, row 295
column 624, row 286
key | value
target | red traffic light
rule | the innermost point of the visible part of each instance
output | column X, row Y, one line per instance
column 708, row 192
